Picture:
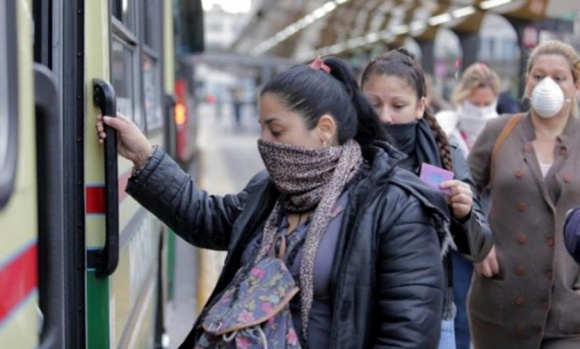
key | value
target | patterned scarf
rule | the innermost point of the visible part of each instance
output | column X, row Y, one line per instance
column 311, row 178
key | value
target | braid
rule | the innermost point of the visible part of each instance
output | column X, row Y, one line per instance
column 441, row 139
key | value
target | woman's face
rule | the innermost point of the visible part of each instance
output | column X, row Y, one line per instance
column 394, row 99
column 482, row 97
column 555, row 66
column 278, row 124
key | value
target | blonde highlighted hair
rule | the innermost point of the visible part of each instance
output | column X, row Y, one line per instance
column 555, row 47
column 478, row 75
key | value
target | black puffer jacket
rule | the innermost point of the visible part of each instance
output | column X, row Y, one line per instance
column 387, row 285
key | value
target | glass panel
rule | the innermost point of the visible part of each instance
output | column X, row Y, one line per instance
column 152, row 13
column 151, row 93
column 124, row 10
column 123, row 79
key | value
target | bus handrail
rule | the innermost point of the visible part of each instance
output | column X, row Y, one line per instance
column 107, row 259
column 52, row 251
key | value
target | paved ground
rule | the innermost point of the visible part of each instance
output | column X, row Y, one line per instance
column 229, row 158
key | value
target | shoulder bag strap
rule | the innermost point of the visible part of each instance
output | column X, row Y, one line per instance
column 505, row 132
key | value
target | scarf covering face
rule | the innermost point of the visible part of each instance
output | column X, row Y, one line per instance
column 418, row 142
column 299, row 173
column 312, row 178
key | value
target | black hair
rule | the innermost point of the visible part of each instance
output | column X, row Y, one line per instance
column 402, row 64
column 314, row 92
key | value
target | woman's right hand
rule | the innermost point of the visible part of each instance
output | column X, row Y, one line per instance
column 489, row 266
column 131, row 142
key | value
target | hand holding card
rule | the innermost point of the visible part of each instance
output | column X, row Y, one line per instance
column 434, row 176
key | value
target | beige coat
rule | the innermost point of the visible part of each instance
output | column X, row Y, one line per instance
column 536, row 294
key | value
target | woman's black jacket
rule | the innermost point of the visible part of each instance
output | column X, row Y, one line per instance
column 387, row 285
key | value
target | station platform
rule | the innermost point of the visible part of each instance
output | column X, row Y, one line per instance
column 228, row 158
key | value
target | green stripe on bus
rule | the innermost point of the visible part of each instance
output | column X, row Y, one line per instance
column 170, row 264
column 97, row 312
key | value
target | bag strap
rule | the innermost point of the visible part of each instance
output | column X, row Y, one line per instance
column 505, row 132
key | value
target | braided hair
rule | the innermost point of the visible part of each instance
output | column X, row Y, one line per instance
column 402, row 64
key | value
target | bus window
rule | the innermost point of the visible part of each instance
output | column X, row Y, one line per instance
column 151, row 65
column 8, row 103
column 124, row 11
column 151, row 91
column 123, row 77
column 152, row 24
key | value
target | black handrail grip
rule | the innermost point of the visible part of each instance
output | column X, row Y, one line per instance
column 51, row 216
column 108, row 258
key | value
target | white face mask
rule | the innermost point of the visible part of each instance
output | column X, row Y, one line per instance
column 469, row 109
column 473, row 119
column 547, row 98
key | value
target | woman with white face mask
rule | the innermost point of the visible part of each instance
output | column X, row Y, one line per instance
column 526, row 293
column 475, row 98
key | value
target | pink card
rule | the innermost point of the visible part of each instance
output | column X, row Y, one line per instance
column 434, row 176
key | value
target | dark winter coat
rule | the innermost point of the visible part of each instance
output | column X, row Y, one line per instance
column 387, row 285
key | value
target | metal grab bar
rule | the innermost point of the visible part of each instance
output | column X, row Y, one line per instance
column 107, row 259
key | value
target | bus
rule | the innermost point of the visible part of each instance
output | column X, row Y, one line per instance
column 83, row 265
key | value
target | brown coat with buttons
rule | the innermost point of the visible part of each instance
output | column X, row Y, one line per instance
column 536, row 294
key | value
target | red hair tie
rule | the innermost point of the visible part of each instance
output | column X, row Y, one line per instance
column 318, row 64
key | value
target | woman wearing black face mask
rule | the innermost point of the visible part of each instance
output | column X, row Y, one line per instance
column 363, row 238
column 395, row 86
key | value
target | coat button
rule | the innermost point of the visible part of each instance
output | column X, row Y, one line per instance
column 519, row 300
column 550, row 275
column 521, row 239
column 520, row 270
column 518, row 329
column 519, row 174
column 567, row 178
column 528, row 148
column 550, row 242
column 563, row 151
column 546, row 305
column 522, row 206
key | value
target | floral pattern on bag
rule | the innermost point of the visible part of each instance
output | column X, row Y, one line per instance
column 254, row 310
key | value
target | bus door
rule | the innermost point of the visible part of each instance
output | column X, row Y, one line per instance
column 123, row 72
column 19, row 312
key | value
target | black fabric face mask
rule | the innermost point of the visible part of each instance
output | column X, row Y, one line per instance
column 405, row 135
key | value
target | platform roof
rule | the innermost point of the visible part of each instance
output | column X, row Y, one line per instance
column 302, row 29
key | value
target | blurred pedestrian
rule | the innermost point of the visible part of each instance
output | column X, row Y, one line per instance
column 361, row 237
column 506, row 103
column 395, row 85
column 475, row 98
column 432, row 99
column 238, row 103
column 526, row 292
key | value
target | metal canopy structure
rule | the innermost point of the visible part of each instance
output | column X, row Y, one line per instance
column 300, row 29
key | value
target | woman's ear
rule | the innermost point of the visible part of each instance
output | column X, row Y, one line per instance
column 326, row 129
column 421, row 105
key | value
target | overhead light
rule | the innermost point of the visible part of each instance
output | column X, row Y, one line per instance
column 372, row 37
column 488, row 4
column 297, row 26
column 418, row 25
column 463, row 12
column 439, row 19
column 400, row 29
column 387, row 36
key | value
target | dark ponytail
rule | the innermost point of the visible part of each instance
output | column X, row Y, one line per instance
column 369, row 126
column 314, row 92
column 402, row 64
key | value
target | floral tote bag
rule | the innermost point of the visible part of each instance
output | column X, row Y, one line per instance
column 254, row 311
